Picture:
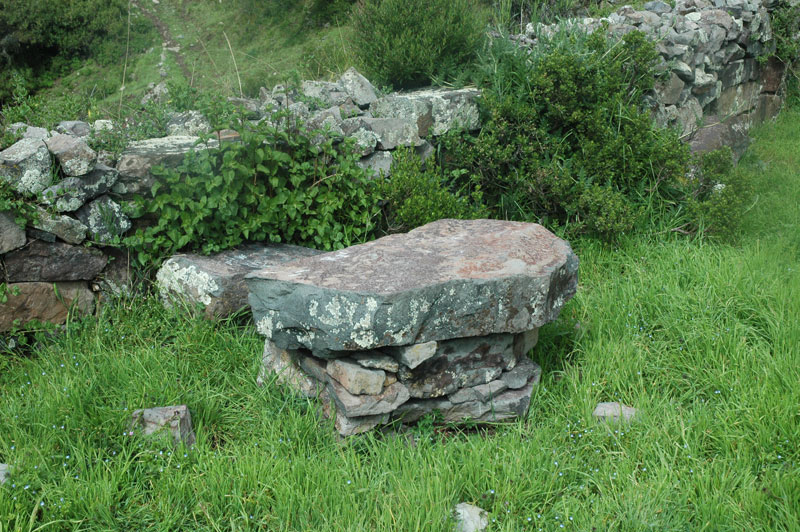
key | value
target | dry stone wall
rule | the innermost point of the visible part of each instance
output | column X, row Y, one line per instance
column 714, row 89
column 716, row 85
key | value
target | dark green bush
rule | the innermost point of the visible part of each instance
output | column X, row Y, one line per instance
column 43, row 39
column 275, row 185
column 719, row 195
column 407, row 43
column 413, row 197
column 565, row 140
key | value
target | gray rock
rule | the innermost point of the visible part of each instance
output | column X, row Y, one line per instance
column 188, row 124
column 358, row 88
column 282, row 364
column 356, row 379
column 690, row 114
column 350, row 426
column 4, row 473
column 253, row 109
column 76, row 128
column 102, row 125
column 174, row 419
column 658, row 7
column 460, row 363
column 40, row 261
column 716, row 134
column 524, row 372
column 155, row 93
column 669, row 90
column 99, row 181
column 67, row 195
column 684, row 71
column 216, row 282
column 614, row 412
column 390, row 132
column 32, row 132
column 48, row 302
column 140, row 156
column 413, row 355
column 470, row 518
column 73, row 154
column 12, row 236
column 524, row 342
column 367, row 405
column 313, row 367
column 25, row 165
column 508, row 405
column 379, row 162
column 480, row 393
column 435, row 111
column 738, row 99
column 327, row 93
column 376, row 360
column 447, row 279
column 67, row 229
column 105, row 219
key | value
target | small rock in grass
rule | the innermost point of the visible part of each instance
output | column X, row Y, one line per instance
column 470, row 518
column 3, row 473
column 612, row 412
column 175, row 419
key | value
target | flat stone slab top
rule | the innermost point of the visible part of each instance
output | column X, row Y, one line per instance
column 447, row 279
column 216, row 282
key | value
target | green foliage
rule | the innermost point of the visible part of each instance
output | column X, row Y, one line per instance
column 785, row 20
column 408, row 43
column 720, row 194
column 565, row 140
column 415, row 196
column 326, row 11
column 46, row 38
column 278, row 184
column 39, row 110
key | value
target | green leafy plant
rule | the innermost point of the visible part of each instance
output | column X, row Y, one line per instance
column 565, row 139
column 279, row 183
column 414, row 196
column 719, row 194
column 407, row 43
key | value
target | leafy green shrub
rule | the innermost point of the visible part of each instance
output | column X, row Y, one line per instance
column 39, row 111
column 406, row 43
column 278, row 184
column 413, row 196
column 326, row 11
column 785, row 20
column 565, row 140
column 719, row 195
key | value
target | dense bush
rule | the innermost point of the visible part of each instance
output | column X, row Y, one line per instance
column 278, row 184
column 44, row 38
column 407, row 43
column 414, row 196
column 565, row 139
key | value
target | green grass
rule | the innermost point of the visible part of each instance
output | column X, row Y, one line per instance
column 702, row 337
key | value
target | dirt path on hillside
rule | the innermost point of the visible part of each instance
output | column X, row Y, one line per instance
column 168, row 42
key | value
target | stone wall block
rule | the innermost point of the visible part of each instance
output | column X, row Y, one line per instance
column 12, row 236
column 73, row 154
column 104, row 219
column 40, row 261
column 64, row 227
column 25, row 165
column 49, row 302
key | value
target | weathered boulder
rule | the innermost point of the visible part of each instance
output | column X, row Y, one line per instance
column 216, row 282
column 435, row 111
column 39, row 261
column 614, row 411
column 380, row 163
column 325, row 92
column 140, row 156
column 717, row 134
column 470, row 518
column 104, row 219
column 252, row 109
column 12, row 236
column 25, row 165
column 355, row 378
column 358, row 88
column 188, row 124
column 47, row 302
column 99, row 181
column 447, row 279
column 72, row 153
column 66, row 196
column 76, row 128
column 176, row 420
column 66, row 228
column 390, row 132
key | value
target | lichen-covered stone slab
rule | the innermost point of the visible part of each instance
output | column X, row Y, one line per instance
column 73, row 154
column 217, row 281
column 25, row 165
column 447, row 279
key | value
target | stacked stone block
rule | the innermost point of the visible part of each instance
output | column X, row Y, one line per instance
column 438, row 319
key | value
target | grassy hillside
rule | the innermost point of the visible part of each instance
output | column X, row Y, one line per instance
column 700, row 336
